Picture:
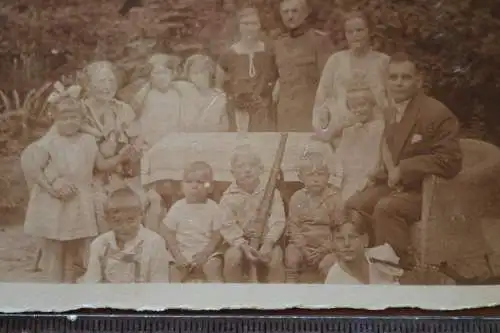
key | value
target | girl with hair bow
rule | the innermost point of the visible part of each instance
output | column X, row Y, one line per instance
column 60, row 166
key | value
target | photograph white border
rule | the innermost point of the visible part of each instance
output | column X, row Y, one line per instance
column 157, row 297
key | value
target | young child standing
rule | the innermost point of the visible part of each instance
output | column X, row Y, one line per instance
column 192, row 227
column 239, row 204
column 313, row 210
column 356, row 264
column 360, row 149
column 61, row 209
column 129, row 252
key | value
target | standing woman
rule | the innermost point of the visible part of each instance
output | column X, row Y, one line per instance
column 358, row 60
column 248, row 73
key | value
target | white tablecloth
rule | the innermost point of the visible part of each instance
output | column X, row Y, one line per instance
column 167, row 159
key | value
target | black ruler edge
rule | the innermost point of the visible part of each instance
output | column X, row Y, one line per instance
column 229, row 322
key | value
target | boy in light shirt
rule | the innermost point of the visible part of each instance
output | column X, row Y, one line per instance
column 313, row 211
column 129, row 252
column 239, row 204
column 192, row 227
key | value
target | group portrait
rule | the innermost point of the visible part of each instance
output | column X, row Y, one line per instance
column 283, row 143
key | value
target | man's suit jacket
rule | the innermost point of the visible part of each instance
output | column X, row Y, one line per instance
column 425, row 142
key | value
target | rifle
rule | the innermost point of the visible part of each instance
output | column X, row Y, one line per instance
column 265, row 203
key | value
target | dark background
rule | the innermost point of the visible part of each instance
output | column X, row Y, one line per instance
column 456, row 41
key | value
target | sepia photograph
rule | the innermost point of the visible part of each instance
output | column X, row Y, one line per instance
column 161, row 154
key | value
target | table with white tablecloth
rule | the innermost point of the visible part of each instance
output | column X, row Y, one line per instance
column 167, row 159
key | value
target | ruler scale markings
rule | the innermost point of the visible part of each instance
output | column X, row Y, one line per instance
column 244, row 324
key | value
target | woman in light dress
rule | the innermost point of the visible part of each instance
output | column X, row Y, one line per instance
column 113, row 123
column 356, row 263
column 359, row 60
column 112, row 118
column 61, row 210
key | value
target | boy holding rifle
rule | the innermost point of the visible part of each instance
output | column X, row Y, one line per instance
column 241, row 205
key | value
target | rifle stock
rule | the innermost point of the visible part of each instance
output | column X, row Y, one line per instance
column 266, row 203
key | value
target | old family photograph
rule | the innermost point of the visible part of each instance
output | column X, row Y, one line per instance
column 245, row 152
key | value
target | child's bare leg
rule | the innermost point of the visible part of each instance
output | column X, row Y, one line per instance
column 326, row 263
column 176, row 275
column 69, row 253
column 75, row 252
column 152, row 218
column 213, row 270
column 99, row 202
column 233, row 265
column 276, row 267
column 55, row 260
column 293, row 260
column 38, row 259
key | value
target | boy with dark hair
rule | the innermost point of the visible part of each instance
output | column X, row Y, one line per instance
column 129, row 252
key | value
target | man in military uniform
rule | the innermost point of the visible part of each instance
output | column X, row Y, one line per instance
column 301, row 53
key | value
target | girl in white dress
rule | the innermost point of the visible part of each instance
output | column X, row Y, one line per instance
column 359, row 152
column 357, row 264
column 160, row 102
column 208, row 112
column 61, row 210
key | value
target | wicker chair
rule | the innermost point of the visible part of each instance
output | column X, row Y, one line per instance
column 460, row 215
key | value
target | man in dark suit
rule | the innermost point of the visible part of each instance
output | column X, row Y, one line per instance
column 421, row 140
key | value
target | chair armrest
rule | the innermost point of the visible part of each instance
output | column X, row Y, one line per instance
column 421, row 230
column 450, row 227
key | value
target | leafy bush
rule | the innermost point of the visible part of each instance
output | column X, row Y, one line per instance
column 456, row 41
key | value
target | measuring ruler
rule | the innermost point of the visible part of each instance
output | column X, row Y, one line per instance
column 137, row 323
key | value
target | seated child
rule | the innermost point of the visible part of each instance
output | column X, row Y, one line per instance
column 360, row 149
column 239, row 204
column 313, row 210
column 357, row 264
column 61, row 209
column 192, row 227
column 128, row 253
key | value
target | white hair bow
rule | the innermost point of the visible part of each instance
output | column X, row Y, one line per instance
column 61, row 92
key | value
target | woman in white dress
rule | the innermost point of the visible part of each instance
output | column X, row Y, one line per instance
column 357, row 264
column 359, row 59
